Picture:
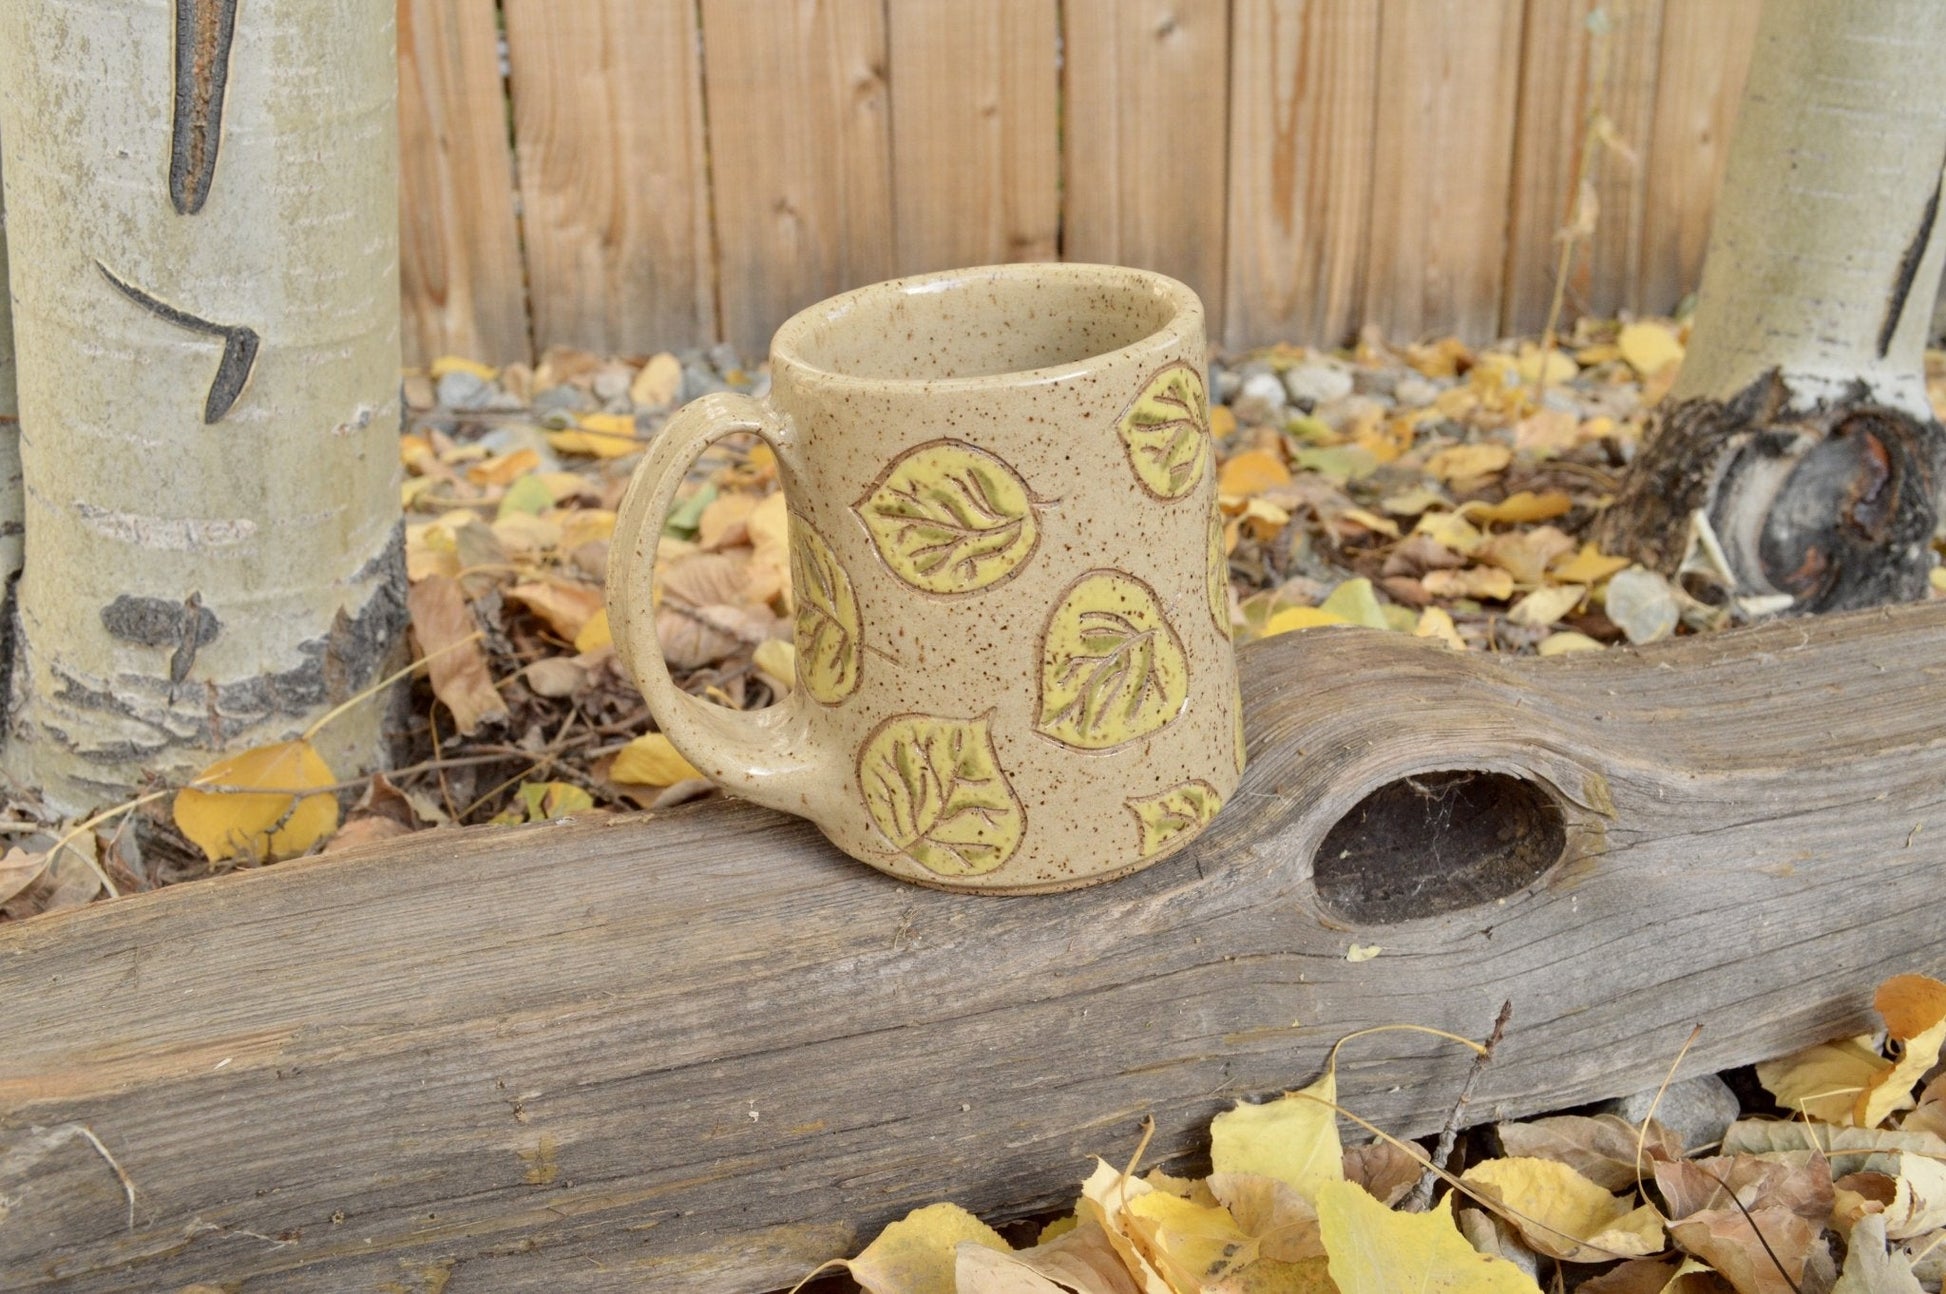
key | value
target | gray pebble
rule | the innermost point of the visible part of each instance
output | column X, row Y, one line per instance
column 563, row 399
column 1374, row 381
column 1699, row 1110
column 1642, row 604
column 611, row 383
column 1224, row 383
column 465, row 392
column 699, row 380
column 1415, row 392
column 1261, row 401
column 1315, row 383
column 723, row 357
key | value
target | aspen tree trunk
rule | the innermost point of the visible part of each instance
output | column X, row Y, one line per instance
column 1799, row 424
column 10, row 497
column 202, row 217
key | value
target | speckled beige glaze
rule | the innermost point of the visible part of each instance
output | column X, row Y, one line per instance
column 1012, row 674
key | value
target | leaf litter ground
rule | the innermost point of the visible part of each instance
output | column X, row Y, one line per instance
column 1431, row 489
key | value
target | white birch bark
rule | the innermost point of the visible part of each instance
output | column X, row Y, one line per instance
column 10, row 499
column 1827, row 244
column 202, row 203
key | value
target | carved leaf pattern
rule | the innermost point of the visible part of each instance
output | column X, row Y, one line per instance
column 1174, row 815
column 935, row 788
column 949, row 518
column 1166, row 432
column 826, row 624
column 1112, row 669
column 1219, row 575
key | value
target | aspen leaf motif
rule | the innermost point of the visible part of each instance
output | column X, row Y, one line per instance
column 935, row 788
column 1112, row 669
column 1219, row 576
column 1174, row 814
column 1166, row 432
column 826, row 625
column 949, row 518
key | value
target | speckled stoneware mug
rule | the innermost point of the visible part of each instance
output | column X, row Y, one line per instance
column 1014, row 669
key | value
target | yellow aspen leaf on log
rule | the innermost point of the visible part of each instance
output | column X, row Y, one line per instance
column 1437, row 624
column 1293, row 1139
column 264, row 824
column 1520, row 507
column 1104, row 1202
column 917, row 1254
column 1190, row 1244
column 1252, row 472
column 1824, row 1082
column 1363, row 952
column 1649, row 347
column 934, row 786
column 1374, row 1250
column 1566, row 641
column 1292, row 619
column 1914, row 1008
column 455, row 364
column 1112, row 668
column 651, row 760
column 1562, row 1214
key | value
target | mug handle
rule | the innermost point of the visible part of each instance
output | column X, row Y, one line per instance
column 765, row 755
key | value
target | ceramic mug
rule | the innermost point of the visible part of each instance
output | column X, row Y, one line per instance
column 1014, row 667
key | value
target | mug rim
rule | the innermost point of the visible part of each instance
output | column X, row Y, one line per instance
column 786, row 345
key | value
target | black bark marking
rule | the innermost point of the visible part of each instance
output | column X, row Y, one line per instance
column 239, row 346
column 204, row 30
column 159, row 622
column 1915, row 251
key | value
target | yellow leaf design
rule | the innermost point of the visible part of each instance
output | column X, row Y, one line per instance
column 1166, row 432
column 949, row 518
column 935, row 788
column 1112, row 669
column 260, row 824
column 826, row 623
column 1219, row 575
column 1174, row 815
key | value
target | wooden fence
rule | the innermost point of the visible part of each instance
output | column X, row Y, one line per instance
column 632, row 175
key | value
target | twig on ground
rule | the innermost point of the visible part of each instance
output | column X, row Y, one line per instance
column 1421, row 1198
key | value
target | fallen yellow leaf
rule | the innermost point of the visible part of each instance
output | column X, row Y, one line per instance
column 1294, row 618
column 1649, row 347
column 1293, row 1139
column 1363, row 952
column 1562, row 1214
column 595, row 634
column 778, row 659
column 1464, row 462
column 1374, row 1250
column 916, row 1254
column 1914, row 1008
column 503, row 468
column 1190, row 1244
column 1252, row 472
column 657, row 385
column 1589, row 566
column 1521, row 507
column 454, row 364
column 1354, row 602
column 264, row 824
column 1543, row 607
column 652, row 760
column 602, row 435
column 1473, row 582
column 1825, row 1082
column 566, row 607
column 1560, row 644
column 1436, row 624
column 1560, row 367
column 1451, row 530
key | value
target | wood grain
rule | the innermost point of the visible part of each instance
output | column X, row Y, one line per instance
column 1441, row 165
column 608, row 128
column 1622, row 85
column 1705, row 57
column 1303, row 97
column 703, row 1052
column 800, row 147
column 1145, row 118
column 975, row 132
column 459, row 247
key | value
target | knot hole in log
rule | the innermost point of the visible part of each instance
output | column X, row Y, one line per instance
column 1436, row 842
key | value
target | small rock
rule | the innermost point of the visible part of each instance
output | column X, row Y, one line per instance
column 1343, row 413
column 465, row 392
column 611, row 382
column 1642, row 604
column 1224, row 383
column 700, row 380
column 1261, row 401
column 563, row 399
column 723, row 357
column 1490, row 1235
column 1415, row 392
column 1699, row 1110
column 658, row 384
column 1375, row 381
column 1316, row 382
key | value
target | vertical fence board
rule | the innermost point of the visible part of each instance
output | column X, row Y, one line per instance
column 1441, row 165
column 1145, row 118
column 1706, row 51
column 1624, row 87
column 459, row 249
column 975, row 132
column 1303, row 90
column 800, row 155
column 1550, row 120
column 608, row 129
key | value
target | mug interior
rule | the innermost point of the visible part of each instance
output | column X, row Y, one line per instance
column 982, row 323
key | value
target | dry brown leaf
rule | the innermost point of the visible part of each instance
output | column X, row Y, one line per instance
column 688, row 642
column 556, row 676
column 18, row 870
column 1270, row 1212
column 1602, row 1147
column 1724, row 1239
column 1914, row 1009
column 365, row 829
column 1798, row 1181
column 1469, row 462
column 441, row 619
column 567, row 608
column 1473, row 582
column 1526, row 554
column 1386, row 1171
column 725, row 520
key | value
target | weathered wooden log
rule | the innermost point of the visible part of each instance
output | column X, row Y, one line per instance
column 704, row 1051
